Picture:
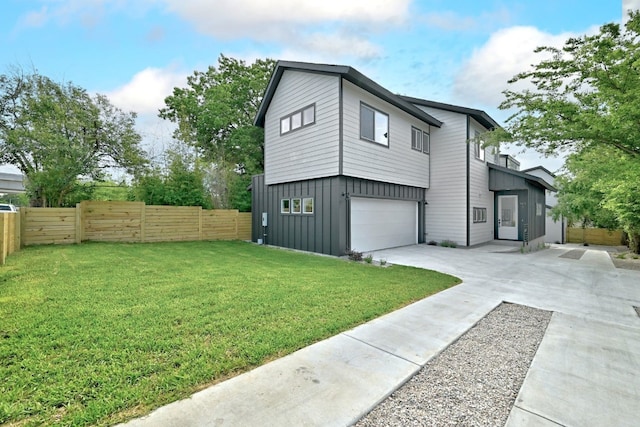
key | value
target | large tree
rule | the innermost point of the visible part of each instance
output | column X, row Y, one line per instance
column 57, row 132
column 584, row 99
column 586, row 94
column 215, row 112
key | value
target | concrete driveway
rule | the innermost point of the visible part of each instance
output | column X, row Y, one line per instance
column 586, row 371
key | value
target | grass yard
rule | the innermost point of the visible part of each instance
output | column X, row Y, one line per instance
column 99, row 333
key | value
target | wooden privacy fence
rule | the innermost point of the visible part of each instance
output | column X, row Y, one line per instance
column 130, row 222
column 9, row 234
column 594, row 236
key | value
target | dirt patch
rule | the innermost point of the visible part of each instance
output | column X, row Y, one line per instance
column 573, row 254
column 625, row 260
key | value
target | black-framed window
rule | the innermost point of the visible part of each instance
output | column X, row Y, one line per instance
column 298, row 119
column 426, row 142
column 374, row 125
column 479, row 214
column 420, row 140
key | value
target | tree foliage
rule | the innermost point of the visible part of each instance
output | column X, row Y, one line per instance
column 585, row 99
column 179, row 184
column 56, row 132
column 586, row 94
column 215, row 112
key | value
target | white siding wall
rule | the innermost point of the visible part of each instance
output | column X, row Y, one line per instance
column 310, row 152
column 445, row 214
column 398, row 163
column 479, row 194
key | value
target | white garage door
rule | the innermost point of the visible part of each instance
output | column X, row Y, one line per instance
column 383, row 223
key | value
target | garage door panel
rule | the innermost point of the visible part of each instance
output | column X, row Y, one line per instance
column 383, row 223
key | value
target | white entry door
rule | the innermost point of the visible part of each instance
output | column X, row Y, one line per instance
column 383, row 223
column 508, row 217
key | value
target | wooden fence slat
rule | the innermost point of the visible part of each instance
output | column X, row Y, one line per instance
column 127, row 222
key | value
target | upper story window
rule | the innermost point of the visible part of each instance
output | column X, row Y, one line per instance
column 420, row 140
column 298, row 119
column 478, row 150
column 374, row 125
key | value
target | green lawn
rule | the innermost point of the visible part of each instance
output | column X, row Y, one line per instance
column 99, row 333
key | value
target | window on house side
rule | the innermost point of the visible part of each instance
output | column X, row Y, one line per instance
column 295, row 206
column 426, row 143
column 307, row 205
column 479, row 214
column 374, row 125
column 538, row 209
column 309, row 115
column 298, row 119
column 416, row 139
column 285, row 206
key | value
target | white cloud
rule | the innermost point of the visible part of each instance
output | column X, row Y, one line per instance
column 508, row 52
column 338, row 27
column 147, row 89
column 145, row 94
column 453, row 21
column 628, row 5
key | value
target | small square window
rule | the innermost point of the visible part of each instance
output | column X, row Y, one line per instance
column 296, row 206
column 309, row 115
column 307, row 205
column 296, row 120
column 285, row 125
column 416, row 139
column 426, row 142
column 479, row 214
column 285, row 206
column 538, row 209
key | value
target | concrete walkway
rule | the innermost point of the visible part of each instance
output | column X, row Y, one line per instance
column 585, row 373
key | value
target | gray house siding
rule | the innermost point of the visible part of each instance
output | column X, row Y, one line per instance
column 445, row 213
column 327, row 229
column 312, row 151
column 479, row 194
column 398, row 163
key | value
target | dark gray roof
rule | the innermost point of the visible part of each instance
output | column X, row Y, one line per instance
column 524, row 175
column 348, row 73
column 480, row 116
column 542, row 168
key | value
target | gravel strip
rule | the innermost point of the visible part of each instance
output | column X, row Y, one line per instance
column 474, row 381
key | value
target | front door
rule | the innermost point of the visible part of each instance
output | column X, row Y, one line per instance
column 508, row 217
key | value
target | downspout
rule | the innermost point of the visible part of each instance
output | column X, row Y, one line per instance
column 468, row 201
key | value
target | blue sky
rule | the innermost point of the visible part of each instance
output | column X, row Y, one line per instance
column 135, row 52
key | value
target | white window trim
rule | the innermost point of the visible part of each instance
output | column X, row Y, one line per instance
column 304, row 205
column 293, row 206
column 282, row 210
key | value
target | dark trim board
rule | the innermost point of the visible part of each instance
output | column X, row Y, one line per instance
column 327, row 229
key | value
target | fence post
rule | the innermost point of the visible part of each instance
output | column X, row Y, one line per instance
column 23, row 226
column 17, row 229
column 143, row 222
column 79, row 226
column 199, row 222
column 3, row 239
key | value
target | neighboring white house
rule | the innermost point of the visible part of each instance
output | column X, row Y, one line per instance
column 555, row 230
column 350, row 165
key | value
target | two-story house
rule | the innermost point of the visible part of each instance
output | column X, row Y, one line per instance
column 350, row 165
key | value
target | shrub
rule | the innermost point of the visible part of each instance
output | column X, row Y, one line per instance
column 432, row 243
column 354, row 255
column 449, row 244
column 368, row 259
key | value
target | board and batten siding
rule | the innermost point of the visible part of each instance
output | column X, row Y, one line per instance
column 309, row 152
column 397, row 163
column 479, row 194
column 445, row 212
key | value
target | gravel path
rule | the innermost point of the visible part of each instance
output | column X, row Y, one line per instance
column 474, row 381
